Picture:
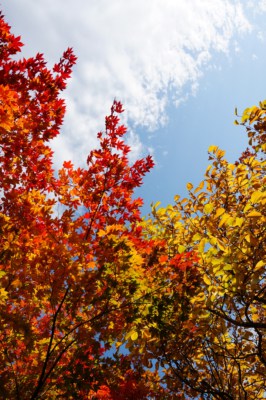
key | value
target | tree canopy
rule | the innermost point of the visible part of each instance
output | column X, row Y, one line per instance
column 97, row 302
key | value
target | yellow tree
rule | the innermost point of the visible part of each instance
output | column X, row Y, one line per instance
column 211, row 343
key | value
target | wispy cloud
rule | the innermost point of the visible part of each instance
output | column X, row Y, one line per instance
column 142, row 52
column 260, row 5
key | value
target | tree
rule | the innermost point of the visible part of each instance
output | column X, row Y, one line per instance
column 211, row 340
column 97, row 303
column 70, row 274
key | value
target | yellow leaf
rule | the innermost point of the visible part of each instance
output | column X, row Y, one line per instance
column 213, row 297
column 221, row 245
column 259, row 265
column 111, row 325
column 43, row 341
column 263, row 146
column 223, row 220
column 3, row 295
column 189, row 186
column 254, row 214
column 146, row 333
column 202, row 244
column 146, row 310
column 200, row 187
column 213, row 240
column 244, row 182
column 212, row 149
column 206, row 279
column 231, row 167
column 230, row 221
column 136, row 259
column 196, row 237
column 181, row 248
column 256, row 196
column 208, row 208
column 208, row 170
column 247, row 207
column 217, row 272
column 228, row 267
column 220, row 211
column 263, row 105
column 239, row 221
column 245, row 115
column 255, row 317
column 220, row 153
column 199, row 298
column 134, row 336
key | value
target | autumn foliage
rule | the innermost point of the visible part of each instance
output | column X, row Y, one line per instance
column 97, row 303
column 67, row 242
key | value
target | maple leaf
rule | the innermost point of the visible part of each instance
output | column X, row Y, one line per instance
column 66, row 277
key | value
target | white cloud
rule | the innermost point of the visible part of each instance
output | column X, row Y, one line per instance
column 261, row 5
column 135, row 145
column 261, row 36
column 141, row 52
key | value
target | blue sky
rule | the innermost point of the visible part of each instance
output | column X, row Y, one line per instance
column 179, row 67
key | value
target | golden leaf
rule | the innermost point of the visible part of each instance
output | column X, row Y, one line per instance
column 134, row 335
column 220, row 211
column 17, row 283
column 181, row 248
column 256, row 196
column 208, row 208
column 206, row 279
column 259, row 265
column 212, row 149
column 254, row 214
column 200, row 187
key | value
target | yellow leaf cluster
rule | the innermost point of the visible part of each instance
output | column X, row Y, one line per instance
column 223, row 220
